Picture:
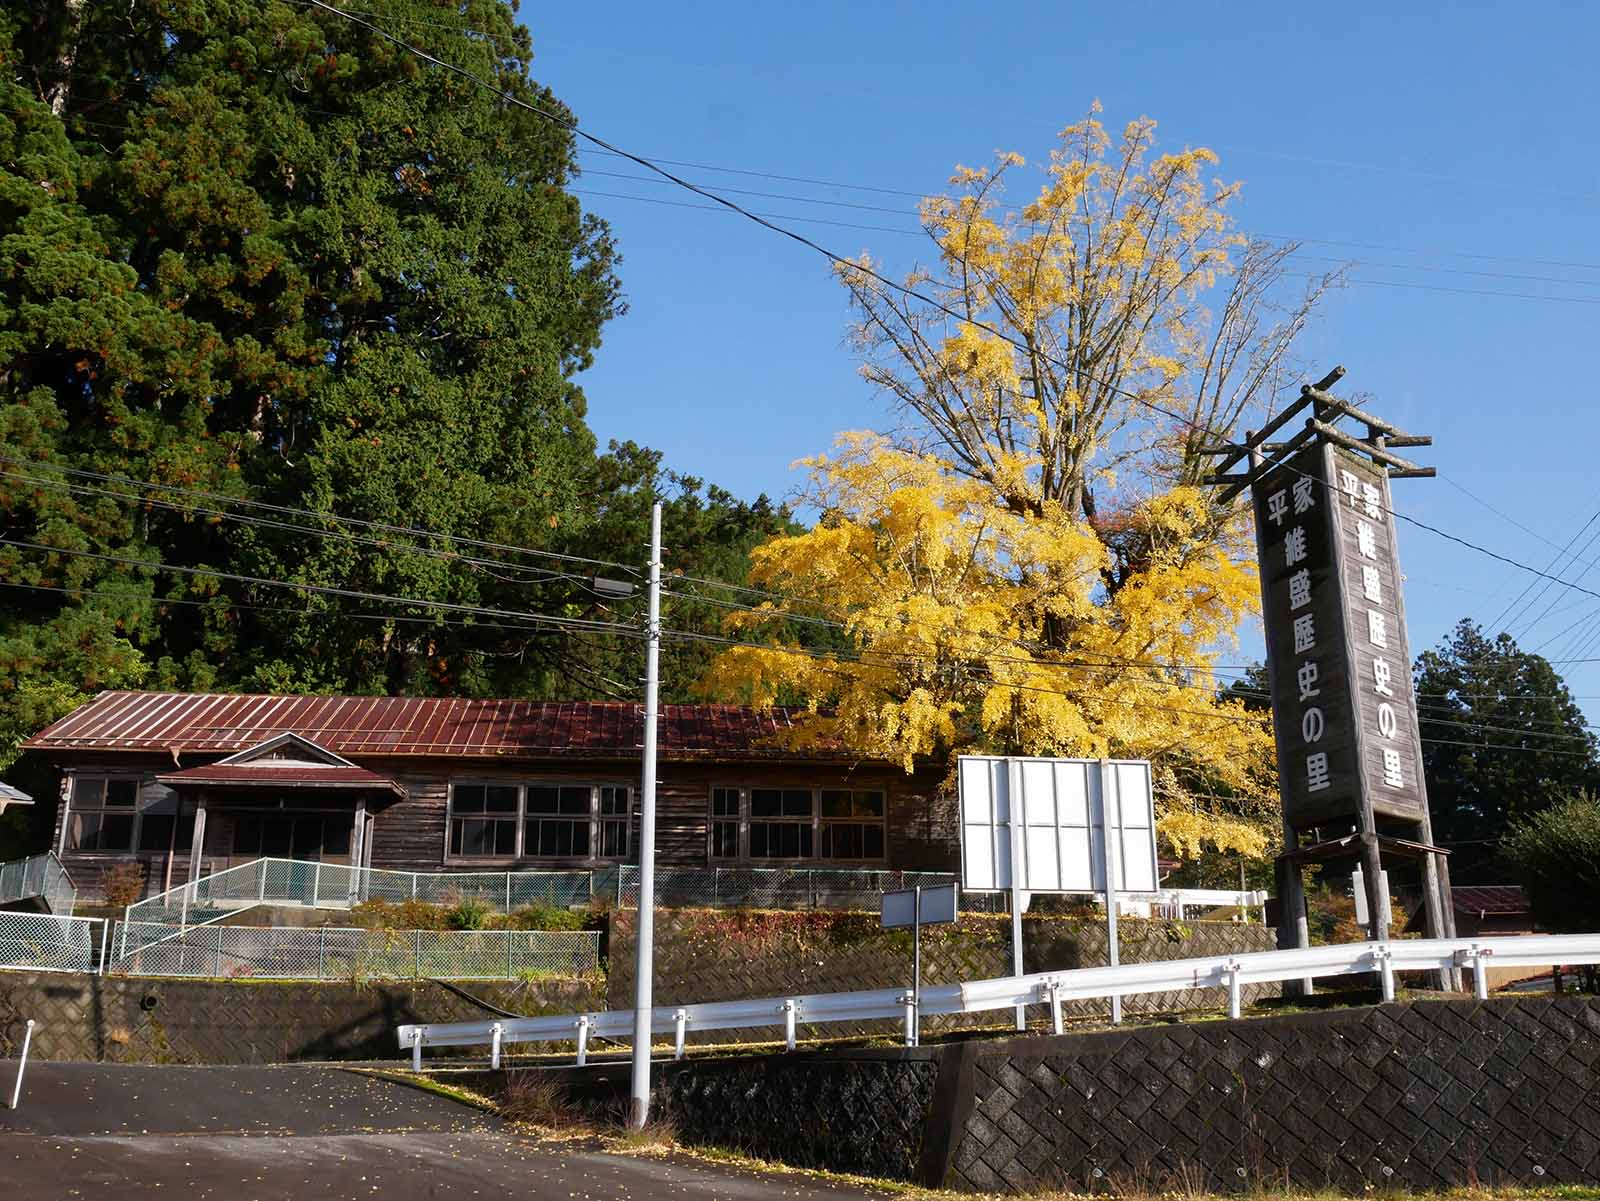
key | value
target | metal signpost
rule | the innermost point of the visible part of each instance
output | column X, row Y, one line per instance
column 1057, row 826
column 917, row 907
column 1345, row 718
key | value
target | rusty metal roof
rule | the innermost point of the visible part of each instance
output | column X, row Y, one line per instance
column 1486, row 900
column 399, row 726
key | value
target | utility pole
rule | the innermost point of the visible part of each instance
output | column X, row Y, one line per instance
column 644, row 968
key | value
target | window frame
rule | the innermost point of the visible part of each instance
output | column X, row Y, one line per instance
column 135, row 811
column 596, row 819
column 746, row 818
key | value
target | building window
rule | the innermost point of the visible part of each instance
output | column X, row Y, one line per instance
column 615, row 817
column 852, row 824
column 827, row 824
column 528, row 821
column 104, row 814
column 557, row 820
column 724, row 823
column 483, row 819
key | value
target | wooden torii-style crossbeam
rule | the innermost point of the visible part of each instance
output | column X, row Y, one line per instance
column 1322, row 422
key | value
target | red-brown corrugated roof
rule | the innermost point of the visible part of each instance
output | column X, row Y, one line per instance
column 221, row 723
column 1500, row 900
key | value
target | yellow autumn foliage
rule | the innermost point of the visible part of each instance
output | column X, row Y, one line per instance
column 1029, row 563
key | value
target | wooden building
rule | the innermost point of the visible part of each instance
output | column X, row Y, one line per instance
column 192, row 783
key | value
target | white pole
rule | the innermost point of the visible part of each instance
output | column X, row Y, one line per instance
column 644, row 969
column 1113, row 840
column 27, row 1041
column 914, row 1027
column 1018, row 874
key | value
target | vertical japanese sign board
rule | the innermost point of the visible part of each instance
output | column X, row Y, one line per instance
column 1342, row 701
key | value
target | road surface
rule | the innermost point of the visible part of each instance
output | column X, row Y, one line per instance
column 88, row 1131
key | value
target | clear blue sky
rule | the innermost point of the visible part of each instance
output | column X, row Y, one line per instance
column 1458, row 139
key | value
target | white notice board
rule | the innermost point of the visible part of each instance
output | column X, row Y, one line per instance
column 1064, row 814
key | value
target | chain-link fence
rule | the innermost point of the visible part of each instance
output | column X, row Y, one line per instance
column 336, row 886
column 38, row 876
column 325, row 953
column 49, row 943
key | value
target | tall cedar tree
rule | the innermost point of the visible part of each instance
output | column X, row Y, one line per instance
column 1502, row 740
column 254, row 250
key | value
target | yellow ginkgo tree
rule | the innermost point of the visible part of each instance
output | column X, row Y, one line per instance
column 1027, row 562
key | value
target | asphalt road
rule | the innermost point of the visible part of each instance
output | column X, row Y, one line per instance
column 91, row 1131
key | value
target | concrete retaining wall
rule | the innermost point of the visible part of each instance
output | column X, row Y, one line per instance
column 147, row 1020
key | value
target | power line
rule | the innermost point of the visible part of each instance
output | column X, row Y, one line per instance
column 412, row 531
column 541, row 574
column 324, row 589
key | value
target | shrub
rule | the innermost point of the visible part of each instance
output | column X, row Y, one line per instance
column 122, row 883
column 469, row 913
column 542, row 916
column 403, row 915
column 1555, row 856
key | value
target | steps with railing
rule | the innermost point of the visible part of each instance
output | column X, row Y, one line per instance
column 40, row 878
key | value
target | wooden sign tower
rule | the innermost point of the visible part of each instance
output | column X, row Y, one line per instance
column 1344, row 712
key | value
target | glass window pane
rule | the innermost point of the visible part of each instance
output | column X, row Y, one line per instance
column 806, row 847
column 869, row 804
column 469, row 798
column 88, row 792
column 614, row 800
column 505, row 838
column 835, row 803
column 277, row 834
column 246, row 834
column 725, row 802
column 797, row 802
column 122, row 792
column 455, row 837
column 501, row 798
column 336, row 836
column 475, row 837
column 543, row 799
column 766, row 802
column 872, row 843
column 575, row 799
column 724, row 840
column 758, row 840
column 116, row 832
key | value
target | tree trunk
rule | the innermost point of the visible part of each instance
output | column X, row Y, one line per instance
column 58, row 90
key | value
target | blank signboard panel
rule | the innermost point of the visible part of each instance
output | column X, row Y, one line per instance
column 1063, row 824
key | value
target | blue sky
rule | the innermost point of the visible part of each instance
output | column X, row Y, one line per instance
column 1458, row 140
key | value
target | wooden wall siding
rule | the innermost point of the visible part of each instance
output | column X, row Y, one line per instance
column 409, row 835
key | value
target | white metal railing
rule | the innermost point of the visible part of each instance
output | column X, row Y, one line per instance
column 326, row 953
column 40, row 876
column 48, row 942
column 1230, row 972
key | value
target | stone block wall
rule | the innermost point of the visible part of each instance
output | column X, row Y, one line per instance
column 147, row 1020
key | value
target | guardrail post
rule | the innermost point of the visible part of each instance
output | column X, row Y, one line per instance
column 1055, row 1006
column 583, row 1040
column 788, row 1023
column 416, row 1051
column 909, row 1000
column 1235, row 993
column 681, row 1020
column 1386, row 970
column 1476, row 960
column 494, row 1045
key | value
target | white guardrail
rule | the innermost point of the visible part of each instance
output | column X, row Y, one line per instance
column 1231, row 972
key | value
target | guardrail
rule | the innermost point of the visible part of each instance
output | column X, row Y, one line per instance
column 1231, row 972
column 39, row 876
column 328, row 953
column 47, row 942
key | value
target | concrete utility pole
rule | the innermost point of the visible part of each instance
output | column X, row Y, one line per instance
column 644, row 969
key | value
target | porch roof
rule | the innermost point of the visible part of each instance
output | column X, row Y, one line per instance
column 281, row 775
